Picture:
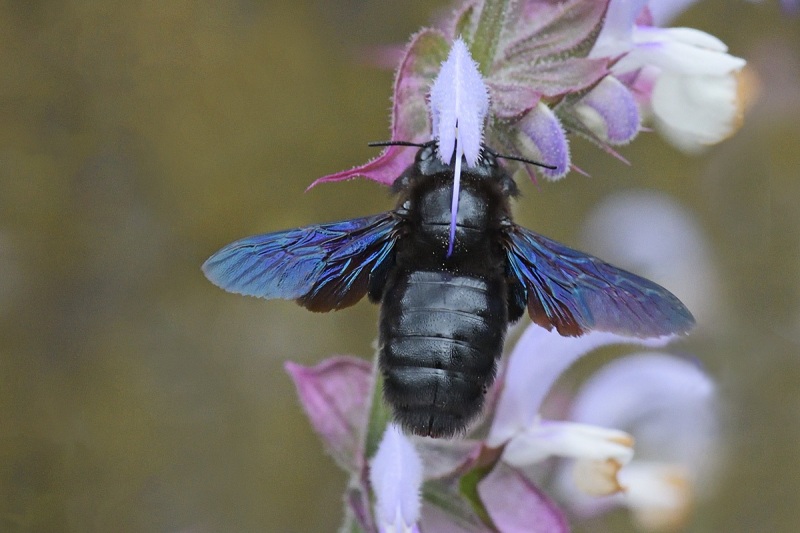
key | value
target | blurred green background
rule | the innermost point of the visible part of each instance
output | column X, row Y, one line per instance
column 138, row 137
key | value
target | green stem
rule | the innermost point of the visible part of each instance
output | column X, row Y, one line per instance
column 490, row 24
column 378, row 413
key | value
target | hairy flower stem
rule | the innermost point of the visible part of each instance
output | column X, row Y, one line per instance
column 379, row 415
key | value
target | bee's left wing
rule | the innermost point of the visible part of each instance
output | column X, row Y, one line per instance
column 323, row 267
column 576, row 292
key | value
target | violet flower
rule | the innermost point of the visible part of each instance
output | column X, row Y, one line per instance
column 534, row 365
column 666, row 404
column 594, row 68
column 517, row 76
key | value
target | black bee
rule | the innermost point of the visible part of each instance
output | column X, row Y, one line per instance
column 444, row 315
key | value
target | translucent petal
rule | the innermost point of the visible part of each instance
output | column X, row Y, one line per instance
column 616, row 35
column 653, row 234
column 666, row 402
column 538, row 359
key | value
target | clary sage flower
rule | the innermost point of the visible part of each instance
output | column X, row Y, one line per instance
column 598, row 69
column 517, row 76
column 483, row 484
column 683, row 77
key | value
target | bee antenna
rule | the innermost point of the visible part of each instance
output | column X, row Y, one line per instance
column 397, row 143
column 521, row 159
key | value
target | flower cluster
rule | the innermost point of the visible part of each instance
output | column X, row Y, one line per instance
column 517, row 76
column 487, row 484
column 594, row 68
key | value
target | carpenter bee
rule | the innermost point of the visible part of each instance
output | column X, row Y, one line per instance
column 444, row 315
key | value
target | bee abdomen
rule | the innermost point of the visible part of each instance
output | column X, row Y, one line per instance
column 441, row 335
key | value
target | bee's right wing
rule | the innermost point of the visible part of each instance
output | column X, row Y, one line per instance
column 576, row 292
column 323, row 267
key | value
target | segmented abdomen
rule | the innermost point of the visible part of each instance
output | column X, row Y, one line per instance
column 440, row 335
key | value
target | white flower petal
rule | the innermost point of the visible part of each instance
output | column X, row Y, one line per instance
column 598, row 478
column 696, row 95
column 683, row 50
column 396, row 478
column 697, row 111
column 567, row 439
column 658, row 494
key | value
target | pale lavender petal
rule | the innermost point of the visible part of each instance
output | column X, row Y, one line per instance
column 669, row 406
column 515, row 505
column 410, row 117
column 610, row 111
column 334, row 395
column 668, row 403
column 454, row 202
column 543, row 140
column 396, row 478
column 459, row 102
column 538, row 359
column 615, row 37
column 791, row 6
column 651, row 233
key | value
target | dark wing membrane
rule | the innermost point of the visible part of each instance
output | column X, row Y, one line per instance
column 575, row 292
column 323, row 267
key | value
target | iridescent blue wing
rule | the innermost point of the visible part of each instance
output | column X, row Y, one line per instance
column 575, row 292
column 323, row 267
